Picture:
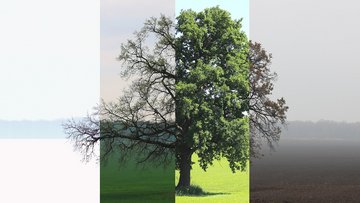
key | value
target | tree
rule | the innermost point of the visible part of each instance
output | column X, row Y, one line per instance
column 192, row 93
column 266, row 115
column 212, row 88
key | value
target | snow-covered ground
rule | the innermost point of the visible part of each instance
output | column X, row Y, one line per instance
column 46, row 170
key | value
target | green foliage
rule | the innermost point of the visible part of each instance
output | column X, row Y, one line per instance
column 212, row 86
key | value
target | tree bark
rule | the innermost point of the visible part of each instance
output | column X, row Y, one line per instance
column 185, row 168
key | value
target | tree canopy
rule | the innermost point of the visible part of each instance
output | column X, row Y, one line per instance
column 193, row 91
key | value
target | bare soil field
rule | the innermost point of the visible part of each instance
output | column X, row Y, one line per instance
column 306, row 193
column 307, row 171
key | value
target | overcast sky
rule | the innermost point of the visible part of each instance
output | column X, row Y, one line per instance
column 315, row 45
column 49, row 58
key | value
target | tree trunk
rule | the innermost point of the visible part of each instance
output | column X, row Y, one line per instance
column 185, row 168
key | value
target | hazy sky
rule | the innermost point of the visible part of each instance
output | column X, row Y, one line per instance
column 315, row 45
column 119, row 20
column 49, row 58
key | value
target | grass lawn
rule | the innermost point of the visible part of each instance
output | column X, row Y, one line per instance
column 219, row 180
column 134, row 184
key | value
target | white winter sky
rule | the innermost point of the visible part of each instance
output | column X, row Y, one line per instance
column 49, row 58
column 315, row 47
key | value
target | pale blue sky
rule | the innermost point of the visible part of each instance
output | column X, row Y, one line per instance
column 237, row 8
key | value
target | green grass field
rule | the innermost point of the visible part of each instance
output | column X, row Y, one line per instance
column 133, row 184
column 224, row 185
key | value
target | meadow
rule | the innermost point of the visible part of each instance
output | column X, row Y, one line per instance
column 220, row 182
column 134, row 183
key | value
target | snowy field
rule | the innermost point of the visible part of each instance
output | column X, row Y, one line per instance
column 46, row 170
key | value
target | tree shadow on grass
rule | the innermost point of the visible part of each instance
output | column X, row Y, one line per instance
column 195, row 190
